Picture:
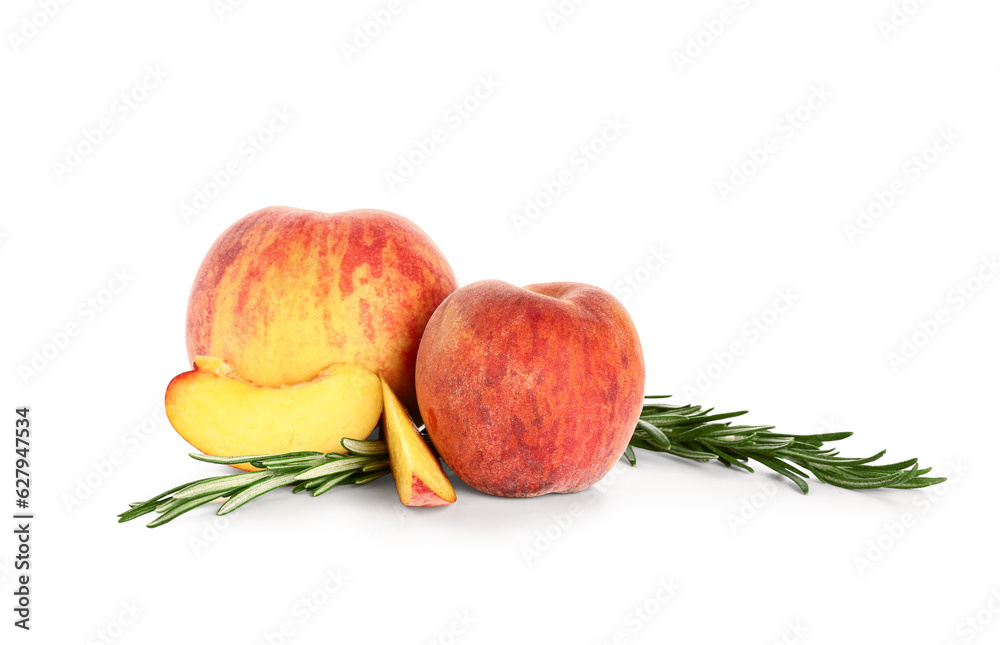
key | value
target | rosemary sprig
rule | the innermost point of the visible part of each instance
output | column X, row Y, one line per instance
column 316, row 472
column 685, row 431
column 693, row 433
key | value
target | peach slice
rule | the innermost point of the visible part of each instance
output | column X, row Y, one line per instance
column 418, row 475
column 221, row 413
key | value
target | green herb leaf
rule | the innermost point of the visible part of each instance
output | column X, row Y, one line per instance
column 686, row 431
column 690, row 432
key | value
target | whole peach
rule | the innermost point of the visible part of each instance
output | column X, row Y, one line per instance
column 285, row 292
column 533, row 390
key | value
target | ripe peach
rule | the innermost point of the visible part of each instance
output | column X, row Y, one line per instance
column 285, row 292
column 533, row 390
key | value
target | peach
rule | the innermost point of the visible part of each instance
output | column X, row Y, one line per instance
column 533, row 390
column 415, row 469
column 285, row 292
column 221, row 413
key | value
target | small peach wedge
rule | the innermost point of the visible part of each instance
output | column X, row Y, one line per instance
column 415, row 469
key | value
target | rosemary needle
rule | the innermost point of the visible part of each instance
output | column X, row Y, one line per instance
column 365, row 461
column 690, row 432
column 686, row 431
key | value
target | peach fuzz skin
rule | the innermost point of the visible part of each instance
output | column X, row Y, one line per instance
column 285, row 292
column 528, row 391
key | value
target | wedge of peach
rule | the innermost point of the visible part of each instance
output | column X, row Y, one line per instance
column 418, row 475
column 221, row 413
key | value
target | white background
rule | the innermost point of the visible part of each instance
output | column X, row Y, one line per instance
column 747, row 558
